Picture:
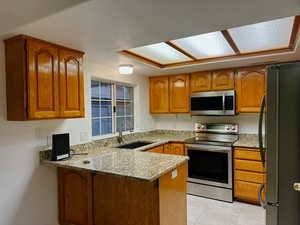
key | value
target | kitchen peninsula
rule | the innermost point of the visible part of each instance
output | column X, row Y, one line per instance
column 114, row 186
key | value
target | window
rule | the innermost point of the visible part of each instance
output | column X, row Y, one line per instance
column 112, row 108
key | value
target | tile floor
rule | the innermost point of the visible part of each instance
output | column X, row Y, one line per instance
column 202, row 211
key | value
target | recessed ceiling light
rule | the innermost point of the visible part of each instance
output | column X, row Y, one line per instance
column 126, row 69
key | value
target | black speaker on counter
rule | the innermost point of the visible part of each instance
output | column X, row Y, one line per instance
column 60, row 146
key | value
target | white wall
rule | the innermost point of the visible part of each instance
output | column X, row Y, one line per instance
column 28, row 191
column 248, row 123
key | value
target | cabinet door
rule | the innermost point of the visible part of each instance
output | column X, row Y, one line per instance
column 250, row 89
column 201, row 81
column 71, row 84
column 174, row 149
column 179, row 93
column 223, row 80
column 42, row 80
column 159, row 149
column 159, row 94
column 75, row 197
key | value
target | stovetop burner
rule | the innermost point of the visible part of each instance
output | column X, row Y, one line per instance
column 213, row 139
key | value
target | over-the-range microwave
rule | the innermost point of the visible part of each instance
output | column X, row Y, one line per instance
column 213, row 103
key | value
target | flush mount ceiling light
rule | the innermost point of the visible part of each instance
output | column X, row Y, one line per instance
column 126, row 69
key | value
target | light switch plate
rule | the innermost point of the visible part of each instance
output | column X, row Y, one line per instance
column 174, row 174
column 49, row 140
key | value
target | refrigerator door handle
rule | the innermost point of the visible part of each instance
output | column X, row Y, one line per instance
column 261, row 201
column 260, row 127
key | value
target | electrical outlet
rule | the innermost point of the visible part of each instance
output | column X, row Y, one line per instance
column 84, row 136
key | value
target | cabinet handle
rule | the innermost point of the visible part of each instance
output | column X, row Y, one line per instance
column 261, row 201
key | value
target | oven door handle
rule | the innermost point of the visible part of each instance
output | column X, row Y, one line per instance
column 207, row 148
column 223, row 102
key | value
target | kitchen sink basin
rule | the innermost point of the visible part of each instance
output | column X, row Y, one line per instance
column 135, row 144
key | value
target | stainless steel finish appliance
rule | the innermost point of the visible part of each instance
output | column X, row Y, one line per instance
column 282, row 139
column 213, row 103
column 210, row 164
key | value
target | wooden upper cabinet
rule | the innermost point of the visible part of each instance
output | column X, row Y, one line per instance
column 179, row 93
column 43, row 80
column 159, row 94
column 223, row 80
column 43, row 92
column 250, row 88
column 201, row 81
column 71, row 83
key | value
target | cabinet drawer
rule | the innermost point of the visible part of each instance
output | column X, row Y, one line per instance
column 247, row 191
column 251, row 155
column 254, row 166
column 247, row 149
column 250, row 176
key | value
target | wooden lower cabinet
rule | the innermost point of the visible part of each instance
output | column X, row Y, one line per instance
column 100, row 199
column 159, row 149
column 247, row 191
column 174, row 148
column 75, row 197
column 170, row 148
column 249, row 174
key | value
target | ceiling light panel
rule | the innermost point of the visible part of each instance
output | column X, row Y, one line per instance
column 161, row 53
column 205, row 45
column 263, row 36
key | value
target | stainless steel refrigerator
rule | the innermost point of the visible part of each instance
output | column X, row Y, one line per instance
column 282, row 144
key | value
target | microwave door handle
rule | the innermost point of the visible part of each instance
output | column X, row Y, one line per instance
column 223, row 102
column 260, row 127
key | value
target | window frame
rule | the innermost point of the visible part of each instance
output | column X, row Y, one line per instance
column 113, row 108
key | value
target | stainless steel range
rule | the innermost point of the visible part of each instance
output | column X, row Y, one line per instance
column 210, row 165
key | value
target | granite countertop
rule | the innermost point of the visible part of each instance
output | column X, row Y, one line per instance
column 103, row 156
column 247, row 140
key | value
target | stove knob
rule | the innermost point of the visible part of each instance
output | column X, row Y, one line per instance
column 233, row 128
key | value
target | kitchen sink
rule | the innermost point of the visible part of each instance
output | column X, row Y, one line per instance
column 135, row 144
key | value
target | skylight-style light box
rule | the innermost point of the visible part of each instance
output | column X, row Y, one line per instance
column 263, row 36
column 161, row 53
column 271, row 37
column 205, row 45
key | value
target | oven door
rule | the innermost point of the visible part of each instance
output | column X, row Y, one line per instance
column 213, row 103
column 210, row 165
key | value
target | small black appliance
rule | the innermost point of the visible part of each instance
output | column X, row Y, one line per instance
column 60, row 146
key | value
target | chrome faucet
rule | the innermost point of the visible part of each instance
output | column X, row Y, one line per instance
column 120, row 137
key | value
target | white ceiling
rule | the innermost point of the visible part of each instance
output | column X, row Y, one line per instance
column 103, row 27
column 15, row 13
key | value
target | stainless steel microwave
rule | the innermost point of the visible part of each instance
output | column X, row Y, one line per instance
column 213, row 103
